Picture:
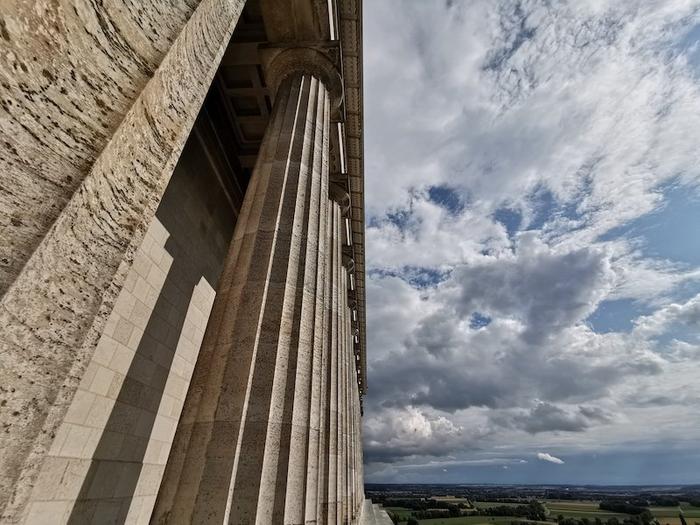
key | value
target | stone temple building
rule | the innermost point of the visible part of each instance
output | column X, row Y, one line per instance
column 182, row 289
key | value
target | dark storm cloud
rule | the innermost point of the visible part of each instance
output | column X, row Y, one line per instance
column 546, row 417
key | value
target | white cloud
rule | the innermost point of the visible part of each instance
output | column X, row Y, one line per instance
column 574, row 116
column 687, row 315
column 544, row 456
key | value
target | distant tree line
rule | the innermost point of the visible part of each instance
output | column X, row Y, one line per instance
column 644, row 518
column 422, row 504
column 664, row 501
column 395, row 518
column 423, row 509
column 452, row 512
column 533, row 511
column 624, row 507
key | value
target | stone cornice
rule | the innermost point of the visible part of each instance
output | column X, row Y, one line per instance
column 350, row 34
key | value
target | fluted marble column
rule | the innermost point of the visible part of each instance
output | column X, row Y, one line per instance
column 330, row 514
column 324, row 420
column 343, row 402
column 241, row 452
column 301, row 394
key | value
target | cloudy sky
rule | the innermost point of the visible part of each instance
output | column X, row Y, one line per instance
column 533, row 239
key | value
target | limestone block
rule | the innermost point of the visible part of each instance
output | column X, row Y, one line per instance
column 54, row 312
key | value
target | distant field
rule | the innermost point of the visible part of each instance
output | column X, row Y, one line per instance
column 450, row 499
column 590, row 509
column 579, row 509
column 673, row 521
column 669, row 515
column 487, row 504
column 573, row 505
column 689, row 512
column 478, row 520
column 568, row 509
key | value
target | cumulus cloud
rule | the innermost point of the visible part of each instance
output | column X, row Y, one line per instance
column 508, row 146
column 546, row 289
column 537, row 300
column 547, row 417
column 406, row 432
column 544, row 456
column 685, row 315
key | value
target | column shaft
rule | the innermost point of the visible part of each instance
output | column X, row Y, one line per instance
column 332, row 505
column 301, row 426
column 324, row 423
column 314, row 452
column 230, row 458
column 342, row 411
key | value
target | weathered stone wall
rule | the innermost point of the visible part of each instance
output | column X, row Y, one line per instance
column 107, row 460
column 69, row 72
column 104, row 306
column 54, row 311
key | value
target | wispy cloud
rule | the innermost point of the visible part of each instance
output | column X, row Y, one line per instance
column 544, row 456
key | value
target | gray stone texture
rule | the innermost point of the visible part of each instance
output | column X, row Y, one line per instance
column 69, row 74
column 373, row 514
column 56, row 308
column 111, row 448
column 104, row 302
column 232, row 449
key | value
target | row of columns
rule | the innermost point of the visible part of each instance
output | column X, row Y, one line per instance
column 270, row 428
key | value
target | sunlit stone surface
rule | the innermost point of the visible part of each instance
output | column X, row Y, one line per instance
column 182, row 262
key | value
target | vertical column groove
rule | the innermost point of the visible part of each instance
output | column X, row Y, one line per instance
column 241, row 452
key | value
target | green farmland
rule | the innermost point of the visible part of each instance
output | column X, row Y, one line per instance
column 579, row 509
column 477, row 520
column 487, row 504
column 567, row 509
column 669, row 515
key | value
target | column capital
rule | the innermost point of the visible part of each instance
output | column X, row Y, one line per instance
column 338, row 194
column 348, row 262
column 321, row 60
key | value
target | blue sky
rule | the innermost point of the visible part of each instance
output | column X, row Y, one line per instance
column 533, row 241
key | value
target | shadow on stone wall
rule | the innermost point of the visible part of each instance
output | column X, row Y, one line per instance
column 118, row 460
column 200, row 220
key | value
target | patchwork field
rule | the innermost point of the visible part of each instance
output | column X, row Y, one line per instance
column 669, row 515
column 689, row 512
column 568, row 509
column 487, row 504
column 450, row 499
column 477, row 520
column 579, row 509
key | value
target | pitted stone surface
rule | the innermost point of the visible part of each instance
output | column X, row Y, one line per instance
column 69, row 72
column 55, row 310
column 295, row 411
column 245, row 422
